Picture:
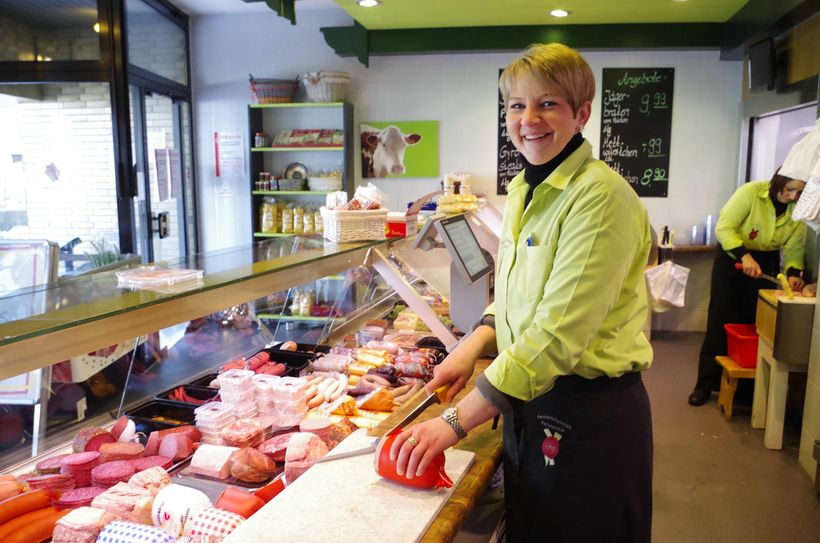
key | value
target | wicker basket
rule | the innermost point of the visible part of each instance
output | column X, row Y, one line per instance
column 273, row 91
column 360, row 225
column 325, row 86
column 325, row 184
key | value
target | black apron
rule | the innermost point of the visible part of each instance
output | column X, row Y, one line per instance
column 578, row 463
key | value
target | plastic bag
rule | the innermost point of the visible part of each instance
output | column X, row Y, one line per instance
column 667, row 286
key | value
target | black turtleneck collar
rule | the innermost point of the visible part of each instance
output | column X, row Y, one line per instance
column 534, row 174
column 779, row 207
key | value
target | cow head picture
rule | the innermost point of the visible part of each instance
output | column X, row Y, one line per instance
column 383, row 150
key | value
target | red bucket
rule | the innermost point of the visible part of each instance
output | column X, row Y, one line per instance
column 741, row 342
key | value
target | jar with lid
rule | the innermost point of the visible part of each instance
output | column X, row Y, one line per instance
column 260, row 139
column 306, row 303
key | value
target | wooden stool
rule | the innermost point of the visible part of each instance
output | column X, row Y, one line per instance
column 728, row 383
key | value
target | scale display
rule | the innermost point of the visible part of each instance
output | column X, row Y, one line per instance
column 459, row 239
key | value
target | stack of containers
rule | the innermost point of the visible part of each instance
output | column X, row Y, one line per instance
column 236, row 389
column 211, row 418
column 264, row 386
column 289, row 401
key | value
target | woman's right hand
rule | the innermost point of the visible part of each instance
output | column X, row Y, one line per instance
column 750, row 266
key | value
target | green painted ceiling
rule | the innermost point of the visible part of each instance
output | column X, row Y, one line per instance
column 403, row 14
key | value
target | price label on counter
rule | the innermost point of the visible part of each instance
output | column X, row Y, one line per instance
column 636, row 126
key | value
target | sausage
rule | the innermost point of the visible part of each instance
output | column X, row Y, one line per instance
column 331, row 388
column 176, row 446
column 341, row 388
column 189, row 430
column 16, row 523
column 23, row 503
column 9, row 489
column 316, row 401
column 152, row 445
column 38, row 530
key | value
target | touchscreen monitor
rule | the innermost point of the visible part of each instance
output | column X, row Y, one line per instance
column 467, row 255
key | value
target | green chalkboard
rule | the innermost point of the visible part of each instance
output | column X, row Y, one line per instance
column 636, row 126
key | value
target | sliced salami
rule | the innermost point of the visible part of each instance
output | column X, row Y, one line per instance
column 110, row 473
column 49, row 465
column 78, row 497
column 146, row 462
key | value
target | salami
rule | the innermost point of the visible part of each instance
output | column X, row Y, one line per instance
column 146, row 462
column 52, row 481
column 79, row 466
column 78, row 497
column 90, row 439
column 49, row 465
column 110, row 473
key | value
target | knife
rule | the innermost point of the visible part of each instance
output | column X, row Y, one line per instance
column 438, row 396
column 781, row 281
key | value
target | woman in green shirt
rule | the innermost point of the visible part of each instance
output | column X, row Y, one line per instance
column 567, row 324
column 754, row 226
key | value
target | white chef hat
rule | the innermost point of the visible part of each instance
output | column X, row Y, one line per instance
column 804, row 156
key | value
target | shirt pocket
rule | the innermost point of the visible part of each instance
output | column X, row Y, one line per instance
column 537, row 262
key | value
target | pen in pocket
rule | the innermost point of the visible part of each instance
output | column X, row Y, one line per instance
column 530, row 241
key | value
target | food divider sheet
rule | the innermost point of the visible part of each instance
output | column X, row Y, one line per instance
column 346, row 501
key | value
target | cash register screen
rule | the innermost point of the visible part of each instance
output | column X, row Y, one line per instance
column 463, row 246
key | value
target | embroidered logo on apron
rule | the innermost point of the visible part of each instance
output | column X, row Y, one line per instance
column 550, row 447
column 753, row 233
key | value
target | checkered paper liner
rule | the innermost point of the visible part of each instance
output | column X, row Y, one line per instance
column 212, row 521
column 130, row 532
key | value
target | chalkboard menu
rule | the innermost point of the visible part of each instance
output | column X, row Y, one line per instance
column 509, row 159
column 636, row 126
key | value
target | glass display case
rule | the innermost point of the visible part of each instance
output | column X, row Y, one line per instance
column 84, row 333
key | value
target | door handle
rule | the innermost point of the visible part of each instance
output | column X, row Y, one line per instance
column 162, row 224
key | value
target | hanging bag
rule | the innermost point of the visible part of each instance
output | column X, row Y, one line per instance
column 667, row 286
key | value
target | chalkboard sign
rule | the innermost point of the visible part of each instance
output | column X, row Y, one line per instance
column 636, row 126
column 509, row 159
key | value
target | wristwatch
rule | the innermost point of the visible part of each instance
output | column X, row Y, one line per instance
column 450, row 415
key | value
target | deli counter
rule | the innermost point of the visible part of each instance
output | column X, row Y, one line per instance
column 246, row 298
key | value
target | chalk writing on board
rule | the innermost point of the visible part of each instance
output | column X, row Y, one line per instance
column 509, row 159
column 636, row 126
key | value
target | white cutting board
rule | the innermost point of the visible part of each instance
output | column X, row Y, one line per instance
column 345, row 501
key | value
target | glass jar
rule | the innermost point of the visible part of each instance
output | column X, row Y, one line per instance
column 260, row 139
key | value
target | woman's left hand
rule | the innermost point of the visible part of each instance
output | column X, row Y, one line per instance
column 429, row 439
column 796, row 284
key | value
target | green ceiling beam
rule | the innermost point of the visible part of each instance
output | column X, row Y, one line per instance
column 284, row 8
column 359, row 42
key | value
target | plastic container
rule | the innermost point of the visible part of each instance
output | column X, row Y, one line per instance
column 157, row 412
column 205, row 380
column 199, row 394
column 741, row 343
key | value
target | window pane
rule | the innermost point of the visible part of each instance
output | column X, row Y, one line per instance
column 155, row 43
column 48, row 30
column 57, row 174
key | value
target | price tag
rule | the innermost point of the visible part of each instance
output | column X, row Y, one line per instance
column 82, row 407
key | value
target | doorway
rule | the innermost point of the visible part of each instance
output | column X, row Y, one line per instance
column 161, row 165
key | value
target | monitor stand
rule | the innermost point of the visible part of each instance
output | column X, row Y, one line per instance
column 468, row 302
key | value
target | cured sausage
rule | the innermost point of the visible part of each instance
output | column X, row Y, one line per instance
column 23, row 503
column 15, row 524
column 38, row 530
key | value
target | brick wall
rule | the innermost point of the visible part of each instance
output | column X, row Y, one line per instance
column 19, row 41
column 70, row 127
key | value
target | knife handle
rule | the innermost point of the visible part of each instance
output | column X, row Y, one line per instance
column 786, row 286
column 441, row 393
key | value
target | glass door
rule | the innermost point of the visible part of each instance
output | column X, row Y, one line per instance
column 161, row 155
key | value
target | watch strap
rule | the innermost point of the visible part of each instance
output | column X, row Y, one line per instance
column 450, row 415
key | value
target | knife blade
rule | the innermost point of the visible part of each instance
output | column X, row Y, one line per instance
column 739, row 266
column 438, row 396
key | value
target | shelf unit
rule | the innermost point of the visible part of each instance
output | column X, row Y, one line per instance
column 272, row 118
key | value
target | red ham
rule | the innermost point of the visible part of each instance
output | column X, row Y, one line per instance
column 276, row 446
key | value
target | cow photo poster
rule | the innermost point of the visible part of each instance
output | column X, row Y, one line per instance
column 399, row 149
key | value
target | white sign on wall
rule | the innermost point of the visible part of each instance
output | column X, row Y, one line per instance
column 229, row 154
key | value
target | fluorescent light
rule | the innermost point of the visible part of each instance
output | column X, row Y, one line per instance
column 368, row 3
column 559, row 13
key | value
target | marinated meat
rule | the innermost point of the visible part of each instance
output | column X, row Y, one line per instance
column 251, row 466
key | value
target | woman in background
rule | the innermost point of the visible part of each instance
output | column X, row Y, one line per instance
column 567, row 322
column 754, row 225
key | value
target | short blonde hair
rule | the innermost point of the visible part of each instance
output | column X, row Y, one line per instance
column 561, row 68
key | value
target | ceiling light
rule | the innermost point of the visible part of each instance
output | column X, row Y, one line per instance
column 96, row 27
column 368, row 3
column 559, row 13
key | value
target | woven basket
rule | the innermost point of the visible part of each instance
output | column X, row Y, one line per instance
column 273, row 91
column 325, row 86
column 327, row 184
column 360, row 225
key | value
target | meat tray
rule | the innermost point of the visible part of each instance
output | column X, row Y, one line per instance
column 202, row 393
column 158, row 414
